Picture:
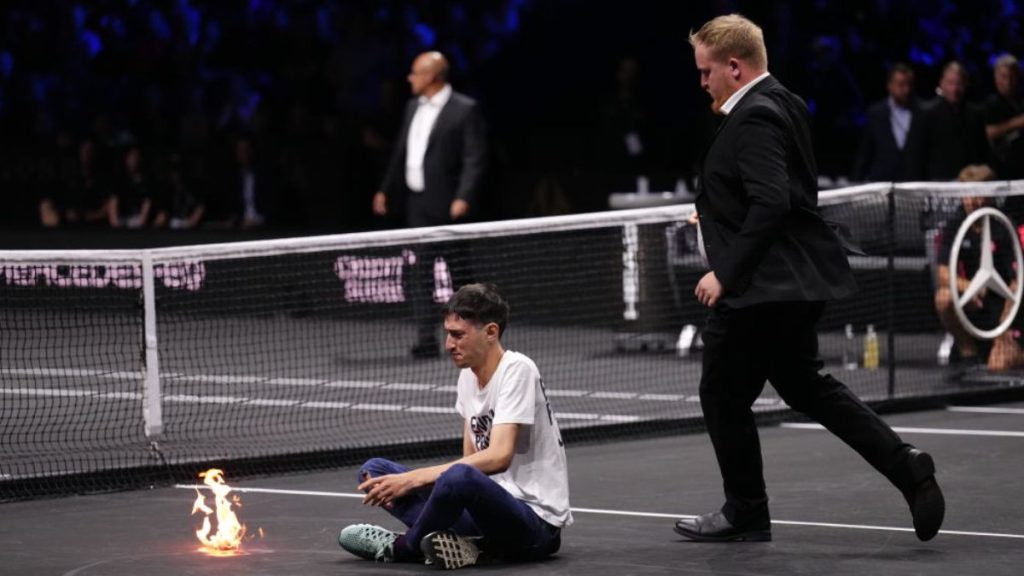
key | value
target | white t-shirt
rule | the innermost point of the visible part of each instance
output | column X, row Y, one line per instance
column 538, row 473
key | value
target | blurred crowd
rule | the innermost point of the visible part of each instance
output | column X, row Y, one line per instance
column 945, row 138
column 272, row 113
column 178, row 113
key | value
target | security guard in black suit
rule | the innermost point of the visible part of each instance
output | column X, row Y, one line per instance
column 774, row 263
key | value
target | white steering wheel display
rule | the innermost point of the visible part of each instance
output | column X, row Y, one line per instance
column 987, row 278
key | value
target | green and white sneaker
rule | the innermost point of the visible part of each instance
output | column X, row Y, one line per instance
column 369, row 542
column 448, row 551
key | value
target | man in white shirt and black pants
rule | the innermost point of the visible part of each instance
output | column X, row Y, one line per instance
column 510, row 488
column 437, row 171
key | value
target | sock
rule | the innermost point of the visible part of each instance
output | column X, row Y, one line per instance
column 405, row 552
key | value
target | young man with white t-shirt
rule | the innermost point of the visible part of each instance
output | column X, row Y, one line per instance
column 509, row 493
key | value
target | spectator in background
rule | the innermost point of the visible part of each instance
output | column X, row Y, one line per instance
column 183, row 205
column 132, row 202
column 623, row 135
column 1004, row 113
column 57, row 206
column 297, row 166
column 836, row 103
column 153, row 68
column 437, row 171
column 891, row 135
column 246, row 199
column 953, row 134
column 1004, row 126
column 94, row 188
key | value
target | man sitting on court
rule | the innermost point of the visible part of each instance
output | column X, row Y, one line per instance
column 509, row 493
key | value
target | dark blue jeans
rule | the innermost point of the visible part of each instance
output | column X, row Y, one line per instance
column 468, row 502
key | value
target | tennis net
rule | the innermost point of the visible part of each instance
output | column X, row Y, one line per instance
column 122, row 368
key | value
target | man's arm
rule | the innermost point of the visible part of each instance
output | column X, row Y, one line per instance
column 474, row 161
column 395, row 171
column 467, row 441
column 382, row 490
column 942, row 282
column 761, row 160
column 1000, row 129
column 113, row 218
column 147, row 205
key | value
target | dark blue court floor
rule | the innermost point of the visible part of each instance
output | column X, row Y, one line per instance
column 832, row 513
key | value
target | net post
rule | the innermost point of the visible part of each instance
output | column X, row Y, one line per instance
column 151, row 409
column 891, row 293
column 630, row 271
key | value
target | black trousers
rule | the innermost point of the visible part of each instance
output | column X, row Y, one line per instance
column 778, row 342
column 421, row 291
column 421, row 285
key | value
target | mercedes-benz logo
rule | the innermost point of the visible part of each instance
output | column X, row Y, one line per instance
column 987, row 277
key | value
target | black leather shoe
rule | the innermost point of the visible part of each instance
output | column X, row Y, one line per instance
column 923, row 494
column 714, row 527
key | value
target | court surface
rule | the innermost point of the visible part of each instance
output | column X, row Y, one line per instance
column 832, row 513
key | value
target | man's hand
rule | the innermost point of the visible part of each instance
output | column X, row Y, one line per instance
column 708, row 290
column 383, row 490
column 976, row 173
column 978, row 301
column 1006, row 353
column 459, row 208
column 380, row 204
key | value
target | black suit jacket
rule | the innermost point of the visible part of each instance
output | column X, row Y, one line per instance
column 229, row 204
column 758, row 204
column 878, row 158
column 453, row 166
column 953, row 138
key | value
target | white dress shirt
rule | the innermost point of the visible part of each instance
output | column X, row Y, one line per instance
column 250, row 214
column 899, row 120
column 419, row 133
column 725, row 109
column 739, row 94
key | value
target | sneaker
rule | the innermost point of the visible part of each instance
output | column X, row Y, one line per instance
column 945, row 353
column 448, row 551
column 369, row 542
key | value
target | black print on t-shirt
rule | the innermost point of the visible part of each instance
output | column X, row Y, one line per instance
column 481, row 428
column 547, row 404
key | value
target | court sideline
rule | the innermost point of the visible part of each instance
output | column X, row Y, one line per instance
column 832, row 513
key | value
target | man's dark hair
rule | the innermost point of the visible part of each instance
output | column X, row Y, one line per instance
column 480, row 304
column 959, row 68
column 898, row 68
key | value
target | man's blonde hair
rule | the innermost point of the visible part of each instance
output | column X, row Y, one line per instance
column 733, row 36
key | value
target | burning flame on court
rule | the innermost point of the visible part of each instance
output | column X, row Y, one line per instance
column 227, row 540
